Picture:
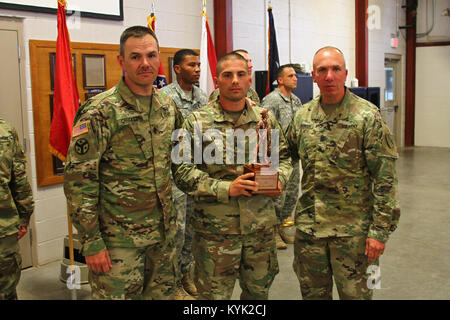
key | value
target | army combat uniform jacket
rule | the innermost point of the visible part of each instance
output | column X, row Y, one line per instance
column 16, row 197
column 283, row 108
column 214, row 211
column 117, row 175
column 186, row 105
column 344, row 155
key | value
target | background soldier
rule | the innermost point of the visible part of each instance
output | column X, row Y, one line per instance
column 284, row 104
column 348, row 207
column 234, row 234
column 117, row 179
column 16, row 208
column 188, row 98
column 251, row 93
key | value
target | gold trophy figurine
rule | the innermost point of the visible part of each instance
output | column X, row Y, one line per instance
column 266, row 177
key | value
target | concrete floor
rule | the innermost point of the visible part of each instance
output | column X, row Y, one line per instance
column 415, row 265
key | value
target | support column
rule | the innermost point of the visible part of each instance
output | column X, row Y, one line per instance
column 410, row 99
column 362, row 43
column 223, row 27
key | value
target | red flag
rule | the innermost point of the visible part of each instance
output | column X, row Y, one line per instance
column 161, row 80
column 65, row 99
column 208, row 59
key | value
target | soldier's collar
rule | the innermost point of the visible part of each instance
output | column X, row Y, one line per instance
column 341, row 112
column 286, row 99
column 248, row 114
column 182, row 93
column 131, row 100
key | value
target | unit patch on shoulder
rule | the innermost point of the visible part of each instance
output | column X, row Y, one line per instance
column 81, row 146
column 80, row 129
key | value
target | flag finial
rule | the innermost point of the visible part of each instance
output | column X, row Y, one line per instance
column 63, row 3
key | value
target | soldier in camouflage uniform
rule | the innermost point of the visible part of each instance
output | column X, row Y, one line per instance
column 188, row 98
column 284, row 104
column 251, row 93
column 15, row 209
column 234, row 229
column 117, row 179
column 348, row 207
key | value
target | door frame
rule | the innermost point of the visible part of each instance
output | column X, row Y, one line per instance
column 16, row 24
column 398, row 61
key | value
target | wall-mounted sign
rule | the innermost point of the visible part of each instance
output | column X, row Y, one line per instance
column 100, row 9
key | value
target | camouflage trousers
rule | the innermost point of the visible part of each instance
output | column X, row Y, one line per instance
column 183, row 239
column 10, row 267
column 221, row 259
column 137, row 273
column 287, row 201
column 317, row 261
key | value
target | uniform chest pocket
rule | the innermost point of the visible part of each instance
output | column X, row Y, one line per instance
column 308, row 140
column 347, row 153
column 6, row 154
column 133, row 139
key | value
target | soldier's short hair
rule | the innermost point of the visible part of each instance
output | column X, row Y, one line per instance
column 329, row 48
column 229, row 56
column 240, row 50
column 281, row 69
column 180, row 54
column 137, row 32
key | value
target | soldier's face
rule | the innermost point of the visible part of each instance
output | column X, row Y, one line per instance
column 330, row 74
column 189, row 69
column 288, row 78
column 140, row 61
column 233, row 80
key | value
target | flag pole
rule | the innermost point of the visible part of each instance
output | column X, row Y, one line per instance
column 56, row 147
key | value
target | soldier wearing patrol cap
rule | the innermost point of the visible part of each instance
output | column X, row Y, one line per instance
column 349, row 203
column 188, row 98
column 234, row 229
column 117, row 179
column 16, row 207
column 284, row 104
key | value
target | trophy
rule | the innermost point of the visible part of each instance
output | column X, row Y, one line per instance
column 266, row 177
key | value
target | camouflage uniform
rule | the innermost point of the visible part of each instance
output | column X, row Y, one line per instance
column 183, row 204
column 117, row 183
column 232, row 235
column 344, row 155
column 284, row 110
column 251, row 94
column 16, row 207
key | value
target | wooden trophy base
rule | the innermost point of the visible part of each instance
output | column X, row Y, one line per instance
column 267, row 179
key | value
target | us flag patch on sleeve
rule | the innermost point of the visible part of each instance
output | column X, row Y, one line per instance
column 80, row 129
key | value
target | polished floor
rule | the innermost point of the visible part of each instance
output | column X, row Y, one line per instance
column 415, row 265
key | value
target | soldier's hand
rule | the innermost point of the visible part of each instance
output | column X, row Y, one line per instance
column 100, row 262
column 242, row 186
column 374, row 249
column 277, row 193
column 22, row 231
